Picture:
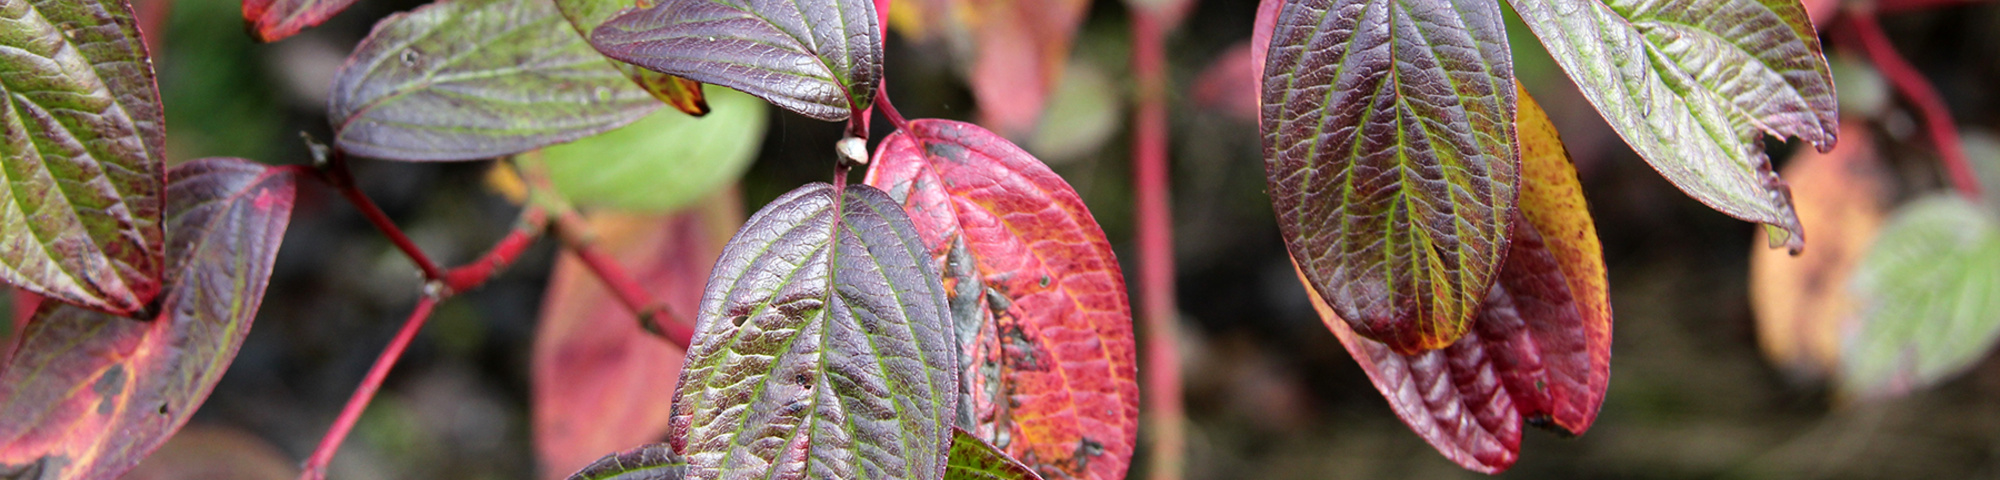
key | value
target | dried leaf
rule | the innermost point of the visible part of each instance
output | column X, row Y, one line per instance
column 822, row 350
column 820, row 58
column 1036, row 295
column 650, row 462
column 1802, row 302
column 1929, row 296
column 1389, row 152
column 1692, row 85
column 88, row 394
column 599, row 381
column 82, row 146
column 663, row 161
column 476, row 79
column 273, row 20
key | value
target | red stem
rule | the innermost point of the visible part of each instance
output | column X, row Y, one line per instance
column 315, row 468
column 1156, row 249
column 534, row 220
column 889, row 109
column 654, row 315
column 1865, row 33
column 337, row 175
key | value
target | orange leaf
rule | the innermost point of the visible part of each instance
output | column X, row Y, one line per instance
column 1802, row 303
column 601, row 383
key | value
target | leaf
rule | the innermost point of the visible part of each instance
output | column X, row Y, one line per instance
column 202, row 452
column 820, row 355
column 651, row 462
column 974, row 459
column 1691, row 85
column 1036, row 294
column 1929, row 294
column 1017, row 51
column 663, row 161
column 683, row 94
column 274, row 20
column 82, row 149
column 1802, row 302
column 598, row 379
column 820, row 58
column 89, row 394
column 1540, row 349
column 1389, row 149
column 476, row 79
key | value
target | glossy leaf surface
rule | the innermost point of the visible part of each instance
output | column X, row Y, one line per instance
column 664, row 161
column 1803, row 303
column 81, row 143
column 823, row 348
column 600, row 382
column 1540, row 349
column 1692, row 86
column 1389, row 152
column 1036, row 294
column 476, row 79
column 820, row 58
column 273, row 20
column 650, row 462
column 683, row 94
column 88, row 394
column 974, row 459
column 1929, row 293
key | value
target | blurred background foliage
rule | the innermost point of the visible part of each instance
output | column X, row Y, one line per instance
column 1271, row 394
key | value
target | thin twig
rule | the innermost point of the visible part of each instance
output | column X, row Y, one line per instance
column 337, row 175
column 315, row 468
column 1864, row 32
column 534, row 220
column 653, row 314
column 1156, row 250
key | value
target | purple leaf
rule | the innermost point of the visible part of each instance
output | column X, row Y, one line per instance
column 820, row 58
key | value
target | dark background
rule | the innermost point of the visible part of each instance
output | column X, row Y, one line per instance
column 1271, row 393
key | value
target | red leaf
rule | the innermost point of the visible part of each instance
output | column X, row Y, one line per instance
column 88, row 394
column 1229, row 84
column 601, row 383
column 273, row 20
column 1036, row 292
column 1540, row 348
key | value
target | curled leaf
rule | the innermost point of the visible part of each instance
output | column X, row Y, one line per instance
column 82, row 145
column 1692, row 85
column 820, row 58
column 476, row 79
column 650, row 462
column 1389, row 151
column 1036, row 294
column 822, row 349
column 88, row 394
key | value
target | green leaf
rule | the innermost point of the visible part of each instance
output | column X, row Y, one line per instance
column 1692, row 85
column 822, row 348
column 820, row 58
column 81, row 147
column 476, row 79
column 974, row 459
column 651, row 462
column 88, row 394
column 663, row 161
column 1390, row 153
column 1929, row 294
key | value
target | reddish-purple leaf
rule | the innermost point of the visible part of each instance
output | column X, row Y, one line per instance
column 599, row 380
column 1389, row 152
column 273, row 20
column 1540, row 348
column 820, row 58
column 650, row 462
column 823, row 348
column 81, row 142
column 683, row 94
column 88, row 395
column 1039, row 302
